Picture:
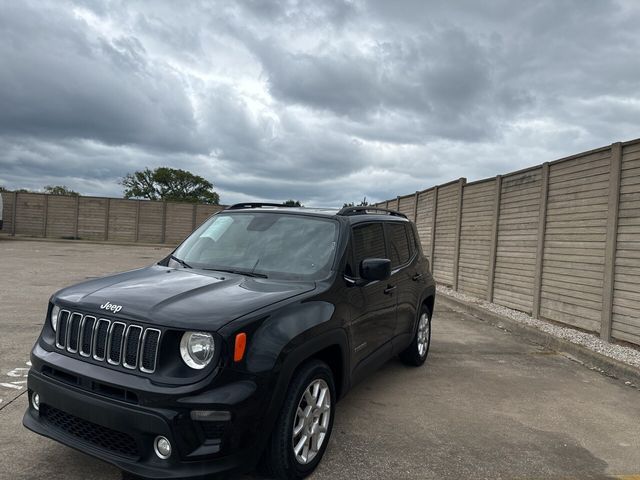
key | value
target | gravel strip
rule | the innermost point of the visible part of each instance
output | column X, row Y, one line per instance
column 623, row 354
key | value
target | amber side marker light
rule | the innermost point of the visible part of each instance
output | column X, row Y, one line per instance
column 241, row 345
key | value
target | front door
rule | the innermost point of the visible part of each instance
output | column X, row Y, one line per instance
column 374, row 303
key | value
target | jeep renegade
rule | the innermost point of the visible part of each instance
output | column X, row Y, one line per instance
column 232, row 351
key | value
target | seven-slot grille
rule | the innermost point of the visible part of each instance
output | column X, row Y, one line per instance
column 115, row 342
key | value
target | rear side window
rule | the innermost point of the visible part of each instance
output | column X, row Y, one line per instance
column 399, row 244
column 368, row 242
column 413, row 241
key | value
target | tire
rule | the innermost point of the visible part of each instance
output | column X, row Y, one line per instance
column 416, row 353
column 280, row 460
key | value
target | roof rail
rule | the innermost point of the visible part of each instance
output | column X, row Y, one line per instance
column 363, row 210
column 239, row 206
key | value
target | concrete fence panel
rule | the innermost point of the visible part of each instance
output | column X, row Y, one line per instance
column 92, row 212
column 407, row 205
column 574, row 240
column 626, row 294
column 424, row 220
column 60, row 216
column 445, row 232
column 475, row 237
column 179, row 222
column 8, row 199
column 516, row 248
column 122, row 220
column 150, row 226
column 30, row 218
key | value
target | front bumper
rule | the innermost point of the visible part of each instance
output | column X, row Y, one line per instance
column 123, row 433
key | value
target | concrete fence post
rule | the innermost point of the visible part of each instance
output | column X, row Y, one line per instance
column 415, row 208
column 611, row 241
column 386, row 205
column 137, row 220
column 542, row 227
column 77, row 224
column 14, row 219
column 45, row 216
column 107, row 212
column 456, row 251
column 433, row 226
column 494, row 239
column 164, row 222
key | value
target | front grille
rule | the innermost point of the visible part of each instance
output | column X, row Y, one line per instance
column 103, row 437
column 117, row 343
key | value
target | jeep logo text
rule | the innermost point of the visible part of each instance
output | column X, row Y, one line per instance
column 111, row 307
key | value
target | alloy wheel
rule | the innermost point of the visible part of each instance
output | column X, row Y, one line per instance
column 311, row 422
column 423, row 334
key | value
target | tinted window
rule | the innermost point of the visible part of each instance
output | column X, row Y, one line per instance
column 399, row 244
column 413, row 243
column 368, row 242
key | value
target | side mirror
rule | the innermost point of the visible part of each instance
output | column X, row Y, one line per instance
column 372, row 269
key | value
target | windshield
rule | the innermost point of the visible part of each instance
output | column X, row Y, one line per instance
column 264, row 244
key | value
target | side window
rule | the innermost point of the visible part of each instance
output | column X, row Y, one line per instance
column 368, row 242
column 399, row 244
column 413, row 241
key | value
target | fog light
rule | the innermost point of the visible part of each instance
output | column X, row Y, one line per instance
column 162, row 447
column 35, row 401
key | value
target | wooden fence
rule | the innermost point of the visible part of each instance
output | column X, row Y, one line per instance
column 101, row 219
column 560, row 241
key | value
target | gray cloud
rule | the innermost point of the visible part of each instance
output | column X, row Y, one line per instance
column 321, row 101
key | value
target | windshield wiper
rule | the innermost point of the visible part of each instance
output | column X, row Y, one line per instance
column 180, row 261
column 239, row 272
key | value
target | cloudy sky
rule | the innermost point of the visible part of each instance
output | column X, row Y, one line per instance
column 321, row 101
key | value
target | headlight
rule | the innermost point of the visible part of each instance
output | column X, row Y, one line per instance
column 55, row 312
column 197, row 349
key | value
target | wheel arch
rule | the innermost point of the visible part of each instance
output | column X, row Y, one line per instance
column 323, row 346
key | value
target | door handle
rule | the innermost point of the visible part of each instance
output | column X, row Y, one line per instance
column 416, row 277
column 389, row 290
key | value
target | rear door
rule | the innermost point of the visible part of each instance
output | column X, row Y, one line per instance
column 374, row 303
column 403, row 274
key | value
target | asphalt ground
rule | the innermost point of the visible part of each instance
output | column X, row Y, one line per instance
column 487, row 405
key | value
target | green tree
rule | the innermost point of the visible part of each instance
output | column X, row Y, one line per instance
column 292, row 203
column 363, row 203
column 60, row 190
column 169, row 184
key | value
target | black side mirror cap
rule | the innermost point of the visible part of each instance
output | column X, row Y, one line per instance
column 373, row 269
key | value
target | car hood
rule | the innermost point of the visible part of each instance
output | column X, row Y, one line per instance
column 181, row 298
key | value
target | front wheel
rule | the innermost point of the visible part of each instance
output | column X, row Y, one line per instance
column 302, row 431
column 416, row 353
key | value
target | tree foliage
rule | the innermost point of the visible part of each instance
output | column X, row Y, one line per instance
column 60, row 190
column 292, row 203
column 363, row 203
column 169, row 184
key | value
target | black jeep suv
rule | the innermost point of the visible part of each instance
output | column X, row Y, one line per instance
column 232, row 351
